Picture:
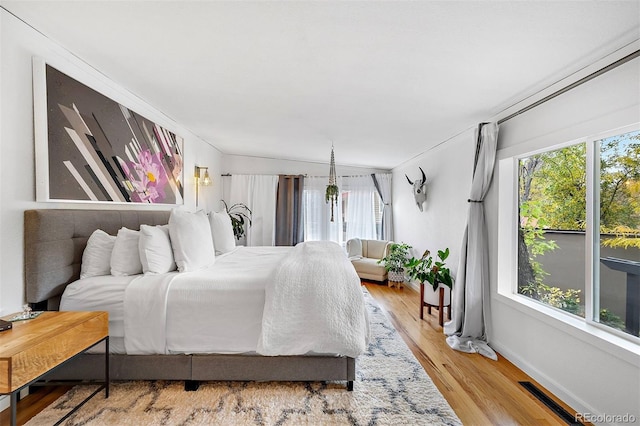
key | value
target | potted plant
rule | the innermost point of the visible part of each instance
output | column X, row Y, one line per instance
column 331, row 195
column 426, row 269
column 394, row 261
column 239, row 214
column 435, row 272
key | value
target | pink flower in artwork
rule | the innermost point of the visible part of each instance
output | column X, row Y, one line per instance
column 148, row 177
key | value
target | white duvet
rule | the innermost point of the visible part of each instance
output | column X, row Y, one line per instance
column 249, row 301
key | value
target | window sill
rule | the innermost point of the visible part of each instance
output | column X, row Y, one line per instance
column 625, row 349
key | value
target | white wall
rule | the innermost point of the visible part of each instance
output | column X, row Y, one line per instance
column 590, row 374
column 241, row 164
column 19, row 43
column 441, row 223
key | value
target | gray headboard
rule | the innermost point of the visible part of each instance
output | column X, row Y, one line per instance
column 54, row 240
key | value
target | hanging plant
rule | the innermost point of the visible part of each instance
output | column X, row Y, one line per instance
column 331, row 195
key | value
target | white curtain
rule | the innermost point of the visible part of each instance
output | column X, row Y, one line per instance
column 383, row 181
column 360, row 216
column 468, row 329
column 317, row 213
column 258, row 192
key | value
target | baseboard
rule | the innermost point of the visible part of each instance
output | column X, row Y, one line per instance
column 413, row 285
column 551, row 385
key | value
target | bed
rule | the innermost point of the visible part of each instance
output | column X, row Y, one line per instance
column 229, row 347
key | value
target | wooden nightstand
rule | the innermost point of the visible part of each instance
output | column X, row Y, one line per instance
column 32, row 348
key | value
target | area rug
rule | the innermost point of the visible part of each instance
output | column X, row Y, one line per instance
column 391, row 388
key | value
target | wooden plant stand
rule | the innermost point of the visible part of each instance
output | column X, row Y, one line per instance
column 440, row 306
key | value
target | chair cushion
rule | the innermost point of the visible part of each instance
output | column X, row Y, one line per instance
column 369, row 266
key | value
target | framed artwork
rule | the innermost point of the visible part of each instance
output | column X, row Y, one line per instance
column 90, row 148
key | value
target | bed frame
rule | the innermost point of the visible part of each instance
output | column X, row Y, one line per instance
column 54, row 240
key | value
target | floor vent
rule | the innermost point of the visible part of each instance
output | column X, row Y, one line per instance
column 560, row 412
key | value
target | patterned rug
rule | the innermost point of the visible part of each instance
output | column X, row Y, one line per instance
column 391, row 388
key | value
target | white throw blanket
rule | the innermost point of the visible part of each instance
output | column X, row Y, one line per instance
column 314, row 304
column 145, row 314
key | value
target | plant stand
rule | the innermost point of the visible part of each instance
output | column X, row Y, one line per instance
column 397, row 284
column 440, row 306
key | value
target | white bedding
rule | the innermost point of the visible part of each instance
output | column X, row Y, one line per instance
column 102, row 293
column 314, row 306
column 209, row 311
column 216, row 310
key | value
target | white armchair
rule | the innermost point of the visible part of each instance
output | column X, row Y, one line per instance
column 364, row 255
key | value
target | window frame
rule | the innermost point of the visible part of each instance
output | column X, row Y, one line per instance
column 627, row 346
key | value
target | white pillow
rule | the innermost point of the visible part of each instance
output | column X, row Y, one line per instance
column 222, row 232
column 156, row 254
column 191, row 240
column 125, row 258
column 96, row 258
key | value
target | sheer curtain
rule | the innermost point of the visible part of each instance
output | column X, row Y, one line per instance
column 468, row 329
column 382, row 182
column 258, row 192
column 360, row 216
column 317, row 212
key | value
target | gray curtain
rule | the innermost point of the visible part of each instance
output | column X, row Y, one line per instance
column 289, row 226
column 382, row 182
column 468, row 329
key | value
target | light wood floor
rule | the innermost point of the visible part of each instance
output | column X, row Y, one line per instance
column 481, row 391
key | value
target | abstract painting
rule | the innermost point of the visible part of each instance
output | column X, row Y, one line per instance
column 99, row 150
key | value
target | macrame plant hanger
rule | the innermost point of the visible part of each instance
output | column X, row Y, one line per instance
column 332, row 188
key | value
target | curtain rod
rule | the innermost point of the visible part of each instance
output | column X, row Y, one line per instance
column 241, row 174
column 306, row 175
column 573, row 85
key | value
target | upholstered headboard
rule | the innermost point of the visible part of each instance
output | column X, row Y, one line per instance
column 54, row 240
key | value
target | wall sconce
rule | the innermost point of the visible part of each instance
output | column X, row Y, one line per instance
column 204, row 181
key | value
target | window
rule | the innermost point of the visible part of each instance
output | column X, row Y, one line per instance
column 617, row 286
column 354, row 216
column 578, row 229
column 552, row 203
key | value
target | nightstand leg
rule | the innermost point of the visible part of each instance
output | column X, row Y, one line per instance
column 106, row 368
column 13, row 400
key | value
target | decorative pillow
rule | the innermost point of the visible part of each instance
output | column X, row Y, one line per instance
column 222, row 232
column 156, row 254
column 191, row 240
column 125, row 258
column 96, row 258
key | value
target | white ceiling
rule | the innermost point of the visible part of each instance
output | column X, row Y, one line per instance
column 383, row 81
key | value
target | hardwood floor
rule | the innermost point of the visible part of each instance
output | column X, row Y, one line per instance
column 481, row 391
